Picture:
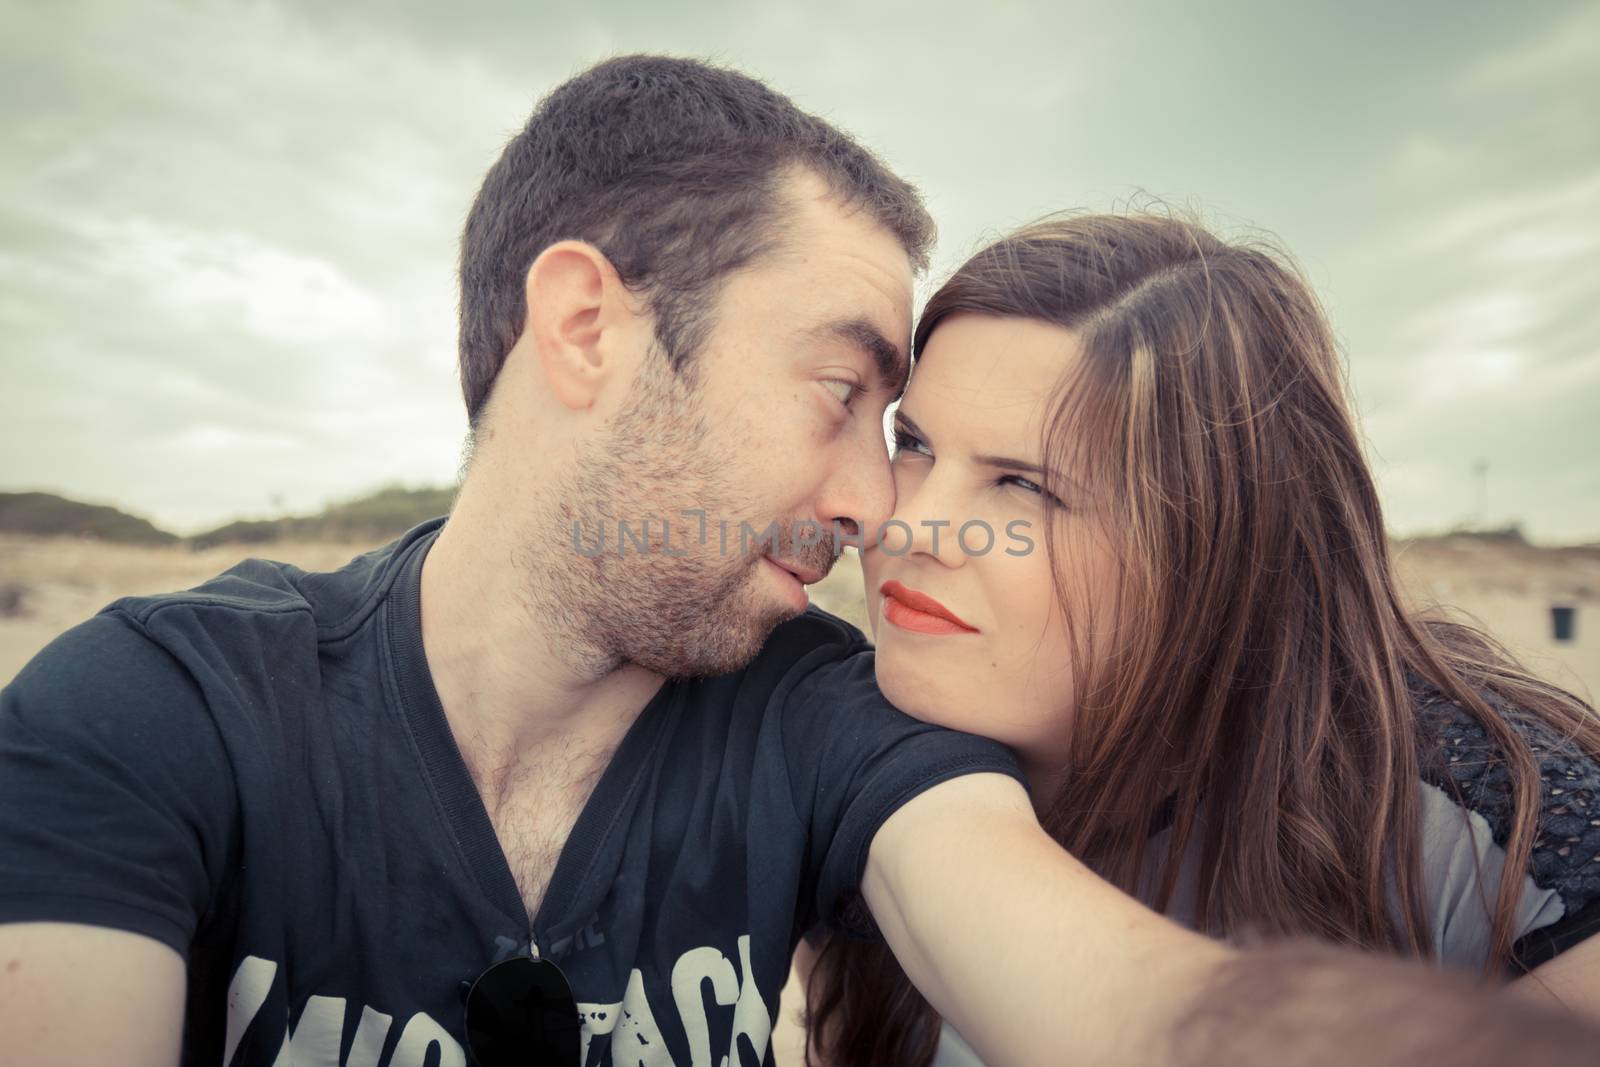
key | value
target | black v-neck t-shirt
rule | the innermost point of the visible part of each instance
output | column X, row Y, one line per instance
column 258, row 773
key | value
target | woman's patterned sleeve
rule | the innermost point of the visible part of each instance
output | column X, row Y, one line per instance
column 1566, row 845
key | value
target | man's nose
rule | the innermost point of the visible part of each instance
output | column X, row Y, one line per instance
column 860, row 497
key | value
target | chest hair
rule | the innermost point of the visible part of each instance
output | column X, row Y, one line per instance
column 533, row 809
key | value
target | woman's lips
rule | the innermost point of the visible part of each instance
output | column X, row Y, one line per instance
column 920, row 613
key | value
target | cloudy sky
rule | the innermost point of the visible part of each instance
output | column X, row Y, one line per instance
column 227, row 230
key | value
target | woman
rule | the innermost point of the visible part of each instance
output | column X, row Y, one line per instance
column 1204, row 663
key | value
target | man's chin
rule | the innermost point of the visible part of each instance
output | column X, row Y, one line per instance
column 709, row 651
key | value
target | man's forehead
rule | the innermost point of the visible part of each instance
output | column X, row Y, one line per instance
column 833, row 275
column 840, row 241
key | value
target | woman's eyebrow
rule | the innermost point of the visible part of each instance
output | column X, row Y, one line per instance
column 1012, row 464
column 1052, row 477
column 1049, row 475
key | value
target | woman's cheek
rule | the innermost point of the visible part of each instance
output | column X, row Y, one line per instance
column 869, row 591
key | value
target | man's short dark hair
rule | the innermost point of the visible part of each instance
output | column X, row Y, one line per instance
column 672, row 168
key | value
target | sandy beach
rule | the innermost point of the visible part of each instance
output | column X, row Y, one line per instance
column 50, row 584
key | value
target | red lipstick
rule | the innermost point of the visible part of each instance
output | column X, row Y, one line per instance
column 919, row 612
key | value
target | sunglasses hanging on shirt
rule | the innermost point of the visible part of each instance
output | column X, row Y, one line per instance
column 521, row 1013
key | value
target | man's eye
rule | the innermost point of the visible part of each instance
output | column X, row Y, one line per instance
column 843, row 389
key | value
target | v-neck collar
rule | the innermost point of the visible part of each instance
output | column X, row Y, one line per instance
column 577, row 885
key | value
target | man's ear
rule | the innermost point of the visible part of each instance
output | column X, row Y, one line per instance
column 578, row 312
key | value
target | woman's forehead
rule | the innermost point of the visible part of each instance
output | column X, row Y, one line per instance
column 993, row 374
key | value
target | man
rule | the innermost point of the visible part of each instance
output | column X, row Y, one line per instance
column 291, row 817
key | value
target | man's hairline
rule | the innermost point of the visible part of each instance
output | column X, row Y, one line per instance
column 786, row 177
column 779, row 246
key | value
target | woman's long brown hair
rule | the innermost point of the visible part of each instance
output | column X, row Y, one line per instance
column 1257, row 654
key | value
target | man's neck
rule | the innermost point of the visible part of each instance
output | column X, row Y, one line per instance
column 514, row 684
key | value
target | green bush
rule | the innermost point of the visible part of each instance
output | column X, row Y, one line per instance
column 374, row 519
column 48, row 515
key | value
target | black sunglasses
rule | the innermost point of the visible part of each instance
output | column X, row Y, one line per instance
column 521, row 1013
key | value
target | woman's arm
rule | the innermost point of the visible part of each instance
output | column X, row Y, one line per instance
column 1032, row 957
column 1571, row 980
column 789, row 1032
column 1036, row 960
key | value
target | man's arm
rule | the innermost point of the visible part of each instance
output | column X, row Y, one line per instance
column 1036, row 960
column 75, row 995
column 115, row 791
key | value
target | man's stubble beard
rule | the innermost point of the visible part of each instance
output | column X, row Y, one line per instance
column 698, row 614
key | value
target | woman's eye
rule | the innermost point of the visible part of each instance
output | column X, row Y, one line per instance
column 1032, row 487
column 1022, row 483
column 905, row 441
column 844, row 390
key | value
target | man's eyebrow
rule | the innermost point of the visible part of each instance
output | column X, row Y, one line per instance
column 886, row 355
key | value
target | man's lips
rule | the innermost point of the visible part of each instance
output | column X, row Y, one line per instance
column 806, row 575
column 924, row 603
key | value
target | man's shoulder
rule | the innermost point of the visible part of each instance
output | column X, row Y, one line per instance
column 798, row 654
column 105, row 702
column 816, row 629
column 801, row 645
column 106, row 660
column 259, row 623
column 260, row 600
